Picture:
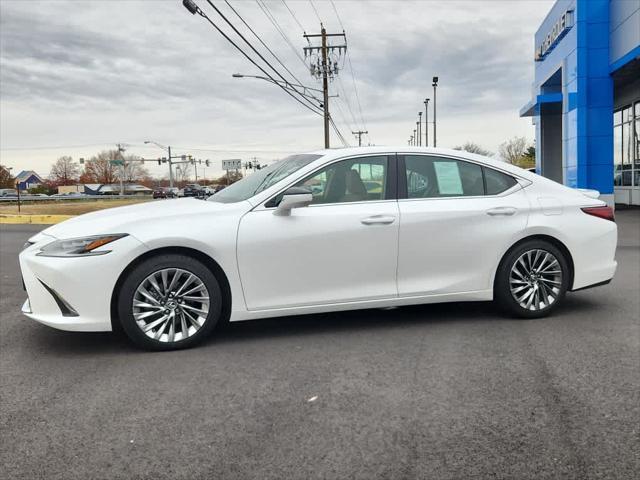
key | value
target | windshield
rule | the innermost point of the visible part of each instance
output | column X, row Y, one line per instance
column 262, row 179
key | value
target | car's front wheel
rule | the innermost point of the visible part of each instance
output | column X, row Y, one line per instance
column 169, row 302
column 532, row 279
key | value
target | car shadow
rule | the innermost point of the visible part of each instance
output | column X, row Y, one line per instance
column 113, row 343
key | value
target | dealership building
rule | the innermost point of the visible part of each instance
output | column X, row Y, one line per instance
column 586, row 97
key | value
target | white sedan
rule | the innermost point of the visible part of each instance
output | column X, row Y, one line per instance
column 321, row 232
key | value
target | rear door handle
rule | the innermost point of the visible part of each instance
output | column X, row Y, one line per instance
column 378, row 220
column 504, row 211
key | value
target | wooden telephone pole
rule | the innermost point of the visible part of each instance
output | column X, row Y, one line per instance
column 359, row 134
column 324, row 68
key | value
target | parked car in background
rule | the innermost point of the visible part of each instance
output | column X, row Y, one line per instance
column 165, row 192
column 442, row 226
column 8, row 192
column 193, row 190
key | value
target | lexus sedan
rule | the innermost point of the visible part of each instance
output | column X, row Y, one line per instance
column 381, row 227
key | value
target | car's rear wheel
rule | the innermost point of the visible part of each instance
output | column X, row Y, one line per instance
column 532, row 279
column 169, row 302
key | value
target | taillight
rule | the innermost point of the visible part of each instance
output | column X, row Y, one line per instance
column 602, row 212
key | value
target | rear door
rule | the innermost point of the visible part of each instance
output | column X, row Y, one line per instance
column 457, row 218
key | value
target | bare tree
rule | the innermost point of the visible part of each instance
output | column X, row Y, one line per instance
column 99, row 169
column 474, row 148
column 182, row 173
column 64, row 172
column 513, row 150
column 134, row 170
column 6, row 179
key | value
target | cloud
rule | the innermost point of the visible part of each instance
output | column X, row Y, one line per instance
column 127, row 70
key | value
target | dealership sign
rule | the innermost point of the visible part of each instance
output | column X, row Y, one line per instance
column 551, row 39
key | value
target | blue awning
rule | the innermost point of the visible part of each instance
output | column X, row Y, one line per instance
column 533, row 106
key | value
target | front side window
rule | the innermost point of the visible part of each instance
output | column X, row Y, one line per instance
column 354, row 180
column 437, row 177
column 262, row 179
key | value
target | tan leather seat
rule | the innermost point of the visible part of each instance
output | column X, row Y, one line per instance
column 356, row 191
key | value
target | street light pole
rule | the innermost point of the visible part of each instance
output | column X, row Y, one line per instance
column 420, row 129
column 426, row 122
column 435, row 86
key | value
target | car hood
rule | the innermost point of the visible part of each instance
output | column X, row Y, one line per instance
column 130, row 218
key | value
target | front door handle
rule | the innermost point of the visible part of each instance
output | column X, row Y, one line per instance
column 378, row 220
column 503, row 211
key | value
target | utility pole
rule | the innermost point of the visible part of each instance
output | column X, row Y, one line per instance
column 419, row 129
column 435, row 86
column 359, row 134
column 325, row 69
column 169, row 159
column 426, row 122
column 121, row 151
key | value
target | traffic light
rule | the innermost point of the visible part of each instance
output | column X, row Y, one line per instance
column 206, row 162
column 159, row 161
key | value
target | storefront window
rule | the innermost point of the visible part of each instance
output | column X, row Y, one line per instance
column 626, row 147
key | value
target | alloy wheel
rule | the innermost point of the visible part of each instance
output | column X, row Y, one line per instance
column 535, row 279
column 171, row 305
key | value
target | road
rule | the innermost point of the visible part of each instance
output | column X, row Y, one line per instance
column 438, row 392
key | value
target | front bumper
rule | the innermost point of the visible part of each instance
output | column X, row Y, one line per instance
column 74, row 293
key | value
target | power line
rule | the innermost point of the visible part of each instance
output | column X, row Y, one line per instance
column 314, row 9
column 204, row 15
column 294, row 16
column 355, row 88
column 338, row 133
column 262, row 42
column 346, row 100
column 337, row 14
column 261, row 57
column 265, row 9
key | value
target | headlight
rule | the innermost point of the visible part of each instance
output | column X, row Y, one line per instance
column 79, row 247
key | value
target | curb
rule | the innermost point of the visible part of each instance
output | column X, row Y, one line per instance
column 33, row 219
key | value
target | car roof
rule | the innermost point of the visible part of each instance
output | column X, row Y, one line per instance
column 334, row 153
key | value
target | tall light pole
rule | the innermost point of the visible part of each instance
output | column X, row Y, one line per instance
column 415, row 138
column 426, row 122
column 420, row 129
column 418, row 134
column 435, row 86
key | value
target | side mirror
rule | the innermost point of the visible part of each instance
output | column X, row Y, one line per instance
column 294, row 197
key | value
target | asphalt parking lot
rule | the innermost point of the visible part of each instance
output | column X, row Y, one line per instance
column 430, row 392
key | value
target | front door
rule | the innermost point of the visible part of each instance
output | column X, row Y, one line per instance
column 341, row 248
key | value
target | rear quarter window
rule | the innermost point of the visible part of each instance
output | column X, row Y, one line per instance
column 497, row 182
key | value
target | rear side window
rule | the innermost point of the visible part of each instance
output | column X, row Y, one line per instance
column 497, row 182
column 437, row 177
column 432, row 177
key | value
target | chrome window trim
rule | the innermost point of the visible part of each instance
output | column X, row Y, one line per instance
column 509, row 191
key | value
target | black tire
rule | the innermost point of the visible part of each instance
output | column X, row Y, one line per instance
column 503, row 296
column 155, row 264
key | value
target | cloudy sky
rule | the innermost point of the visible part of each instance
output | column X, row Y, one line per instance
column 79, row 76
